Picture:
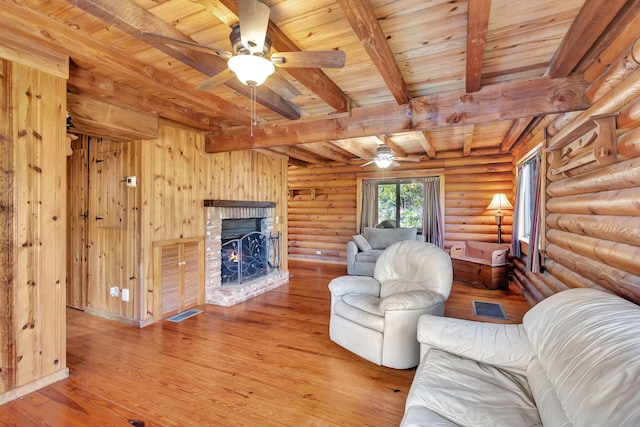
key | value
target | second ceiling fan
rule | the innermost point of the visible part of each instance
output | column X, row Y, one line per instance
column 385, row 158
column 251, row 44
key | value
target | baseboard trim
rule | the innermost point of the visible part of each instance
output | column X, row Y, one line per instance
column 17, row 392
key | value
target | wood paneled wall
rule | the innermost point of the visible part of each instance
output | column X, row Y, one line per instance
column 32, row 227
column 592, row 213
column 174, row 177
column 323, row 203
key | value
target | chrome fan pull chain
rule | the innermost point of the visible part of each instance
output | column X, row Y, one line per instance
column 252, row 90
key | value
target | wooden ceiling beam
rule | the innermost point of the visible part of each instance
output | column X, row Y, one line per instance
column 364, row 22
column 133, row 19
column 117, row 93
column 516, row 130
column 313, row 79
column 623, row 19
column 77, row 45
column 590, row 23
column 354, row 148
column 325, row 150
column 427, row 144
column 396, row 150
column 477, row 24
column 300, row 154
column 505, row 101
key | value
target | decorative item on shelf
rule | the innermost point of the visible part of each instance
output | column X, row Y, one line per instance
column 499, row 202
column 592, row 144
column 295, row 191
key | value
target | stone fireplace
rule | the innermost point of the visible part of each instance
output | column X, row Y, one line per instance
column 235, row 291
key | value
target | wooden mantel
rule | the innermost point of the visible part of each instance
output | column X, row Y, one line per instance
column 237, row 204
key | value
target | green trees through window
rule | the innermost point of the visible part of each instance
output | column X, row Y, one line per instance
column 401, row 201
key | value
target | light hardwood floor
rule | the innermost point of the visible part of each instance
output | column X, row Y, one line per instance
column 265, row 362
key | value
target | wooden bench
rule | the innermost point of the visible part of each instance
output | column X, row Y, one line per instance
column 481, row 264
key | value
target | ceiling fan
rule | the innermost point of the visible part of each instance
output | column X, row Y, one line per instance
column 385, row 158
column 251, row 45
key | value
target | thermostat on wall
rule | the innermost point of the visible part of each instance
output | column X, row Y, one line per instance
column 131, row 181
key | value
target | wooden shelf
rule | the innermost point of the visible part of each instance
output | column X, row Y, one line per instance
column 592, row 142
column 209, row 203
column 295, row 191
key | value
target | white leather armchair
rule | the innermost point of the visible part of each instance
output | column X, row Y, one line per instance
column 376, row 317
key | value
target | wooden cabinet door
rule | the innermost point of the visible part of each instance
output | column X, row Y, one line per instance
column 170, row 285
column 191, row 275
column 178, row 276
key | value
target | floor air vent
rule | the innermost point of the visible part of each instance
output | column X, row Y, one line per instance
column 488, row 309
column 184, row 315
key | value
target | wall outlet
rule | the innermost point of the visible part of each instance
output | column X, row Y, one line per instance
column 115, row 291
column 318, row 252
column 125, row 295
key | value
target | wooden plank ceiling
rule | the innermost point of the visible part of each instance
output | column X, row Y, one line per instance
column 428, row 78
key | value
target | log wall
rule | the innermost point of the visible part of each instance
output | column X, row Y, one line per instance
column 323, row 212
column 33, row 144
column 592, row 212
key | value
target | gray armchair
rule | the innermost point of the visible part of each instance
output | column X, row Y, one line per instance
column 363, row 251
column 377, row 317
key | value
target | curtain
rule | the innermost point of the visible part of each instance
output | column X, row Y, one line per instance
column 517, row 209
column 533, row 257
column 528, row 203
column 369, row 213
column 432, row 223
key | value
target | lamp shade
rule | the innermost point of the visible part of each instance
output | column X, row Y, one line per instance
column 251, row 69
column 499, row 202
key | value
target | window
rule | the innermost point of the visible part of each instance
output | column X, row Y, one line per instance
column 408, row 202
column 401, row 201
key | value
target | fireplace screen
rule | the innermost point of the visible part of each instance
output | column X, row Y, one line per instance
column 245, row 258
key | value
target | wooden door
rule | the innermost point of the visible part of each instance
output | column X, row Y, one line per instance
column 108, row 248
column 77, row 214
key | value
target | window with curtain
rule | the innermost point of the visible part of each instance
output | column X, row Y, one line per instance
column 402, row 202
column 526, row 214
column 410, row 202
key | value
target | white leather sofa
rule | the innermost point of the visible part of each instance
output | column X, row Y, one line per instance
column 574, row 361
column 376, row 317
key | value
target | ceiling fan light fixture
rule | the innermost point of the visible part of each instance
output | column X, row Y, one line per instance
column 251, row 70
column 383, row 162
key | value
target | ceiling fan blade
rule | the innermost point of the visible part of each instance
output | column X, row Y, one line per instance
column 367, row 164
column 215, row 81
column 310, row 59
column 394, row 163
column 254, row 19
column 407, row 159
column 172, row 41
